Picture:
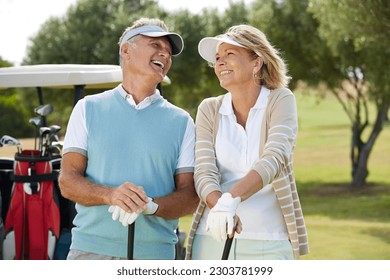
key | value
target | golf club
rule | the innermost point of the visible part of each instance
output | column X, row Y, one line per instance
column 43, row 133
column 36, row 122
column 7, row 140
column 130, row 242
column 53, row 137
column 43, row 110
column 51, row 145
column 226, row 249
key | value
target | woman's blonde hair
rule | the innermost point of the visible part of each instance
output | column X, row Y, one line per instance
column 273, row 73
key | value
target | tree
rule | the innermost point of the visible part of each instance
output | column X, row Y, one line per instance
column 336, row 43
column 87, row 34
column 187, row 73
column 293, row 31
column 12, row 118
column 358, row 33
column 192, row 78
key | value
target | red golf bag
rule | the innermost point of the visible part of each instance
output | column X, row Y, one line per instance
column 32, row 224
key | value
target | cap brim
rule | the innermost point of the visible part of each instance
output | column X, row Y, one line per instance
column 175, row 39
column 207, row 47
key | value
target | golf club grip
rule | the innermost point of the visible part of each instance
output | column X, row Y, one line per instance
column 226, row 248
column 130, row 241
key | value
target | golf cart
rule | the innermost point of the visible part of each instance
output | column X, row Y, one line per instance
column 76, row 76
column 66, row 76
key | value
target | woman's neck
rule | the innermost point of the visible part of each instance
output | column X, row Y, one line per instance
column 242, row 102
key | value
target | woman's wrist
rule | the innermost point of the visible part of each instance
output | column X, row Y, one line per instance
column 212, row 198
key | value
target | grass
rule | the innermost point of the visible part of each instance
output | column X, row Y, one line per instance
column 346, row 239
column 342, row 223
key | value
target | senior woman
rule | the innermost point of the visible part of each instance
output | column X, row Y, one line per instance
column 244, row 151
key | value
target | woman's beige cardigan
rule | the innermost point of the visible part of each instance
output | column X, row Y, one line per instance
column 278, row 136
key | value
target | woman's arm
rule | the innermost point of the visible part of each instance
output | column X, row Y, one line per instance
column 207, row 176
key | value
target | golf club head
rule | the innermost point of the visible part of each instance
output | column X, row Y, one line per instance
column 43, row 110
column 55, row 128
column 53, row 138
column 58, row 144
column 44, row 130
column 44, row 133
column 54, row 150
column 9, row 141
column 36, row 121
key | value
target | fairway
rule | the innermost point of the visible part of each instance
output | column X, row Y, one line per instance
column 337, row 239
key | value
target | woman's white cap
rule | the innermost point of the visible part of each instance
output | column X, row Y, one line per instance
column 208, row 46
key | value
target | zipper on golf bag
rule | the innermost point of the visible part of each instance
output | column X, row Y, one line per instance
column 32, row 224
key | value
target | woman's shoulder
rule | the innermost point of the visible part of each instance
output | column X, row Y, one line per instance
column 280, row 94
column 282, row 91
column 212, row 102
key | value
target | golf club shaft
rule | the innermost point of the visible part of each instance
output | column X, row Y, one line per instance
column 226, row 249
column 130, row 241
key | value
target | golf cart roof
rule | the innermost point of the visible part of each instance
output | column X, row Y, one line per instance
column 63, row 76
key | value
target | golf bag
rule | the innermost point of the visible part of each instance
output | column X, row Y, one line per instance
column 32, row 224
column 1, row 227
column 6, row 174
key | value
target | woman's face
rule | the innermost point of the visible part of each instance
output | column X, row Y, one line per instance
column 234, row 67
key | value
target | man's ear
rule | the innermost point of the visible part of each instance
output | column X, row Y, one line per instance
column 125, row 50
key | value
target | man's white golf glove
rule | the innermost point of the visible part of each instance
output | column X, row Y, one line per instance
column 127, row 218
column 151, row 207
column 220, row 221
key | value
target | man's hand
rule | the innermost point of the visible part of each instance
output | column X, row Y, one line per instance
column 222, row 218
column 129, row 197
column 127, row 218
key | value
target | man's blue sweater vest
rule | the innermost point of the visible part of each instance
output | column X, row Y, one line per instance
column 137, row 146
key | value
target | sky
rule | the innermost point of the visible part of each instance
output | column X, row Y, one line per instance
column 21, row 19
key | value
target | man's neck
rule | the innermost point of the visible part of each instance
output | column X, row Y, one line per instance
column 138, row 90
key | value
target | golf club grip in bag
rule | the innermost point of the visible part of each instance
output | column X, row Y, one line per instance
column 32, row 224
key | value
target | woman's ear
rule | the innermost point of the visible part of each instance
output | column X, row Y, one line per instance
column 257, row 65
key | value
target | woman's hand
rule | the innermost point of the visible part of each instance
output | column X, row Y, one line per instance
column 222, row 219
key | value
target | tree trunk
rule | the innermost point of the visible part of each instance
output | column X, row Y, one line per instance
column 361, row 151
column 360, row 173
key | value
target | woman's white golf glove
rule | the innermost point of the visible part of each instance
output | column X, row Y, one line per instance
column 127, row 218
column 220, row 221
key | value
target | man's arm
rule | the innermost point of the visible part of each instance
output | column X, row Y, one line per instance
column 74, row 186
column 182, row 201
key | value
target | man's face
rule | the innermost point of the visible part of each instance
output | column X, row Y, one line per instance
column 151, row 56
